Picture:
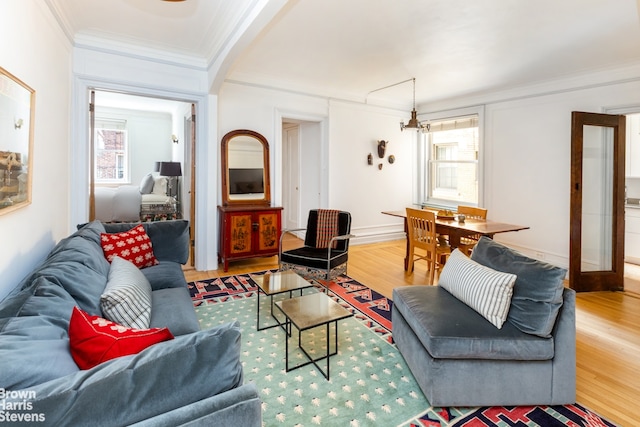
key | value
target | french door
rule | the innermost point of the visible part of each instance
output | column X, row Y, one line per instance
column 597, row 202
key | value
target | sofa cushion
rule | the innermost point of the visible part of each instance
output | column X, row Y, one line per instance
column 94, row 340
column 146, row 185
column 161, row 378
column 170, row 239
column 449, row 329
column 166, row 274
column 537, row 294
column 126, row 299
column 91, row 231
column 485, row 290
column 133, row 245
column 173, row 308
column 84, row 286
column 34, row 347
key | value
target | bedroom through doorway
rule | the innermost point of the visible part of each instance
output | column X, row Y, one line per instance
column 141, row 159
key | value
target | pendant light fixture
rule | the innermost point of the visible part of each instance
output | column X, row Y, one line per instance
column 413, row 121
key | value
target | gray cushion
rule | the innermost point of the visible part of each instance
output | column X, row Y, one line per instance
column 146, row 185
column 484, row 289
column 537, row 294
column 172, row 308
column 126, row 299
column 449, row 329
column 91, row 231
column 79, row 266
column 161, row 378
column 34, row 345
column 167, row 274
column 170, row 239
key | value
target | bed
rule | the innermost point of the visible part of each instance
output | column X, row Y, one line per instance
column 131, row 203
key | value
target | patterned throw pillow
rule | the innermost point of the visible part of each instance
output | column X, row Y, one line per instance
column 94, row 340
column 485, row 290
column 133, row 245
column 126, row 299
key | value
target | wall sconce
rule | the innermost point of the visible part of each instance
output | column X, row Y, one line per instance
column 174, row 138
column 18, row 124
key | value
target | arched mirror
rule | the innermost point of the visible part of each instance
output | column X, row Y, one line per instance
column 245, row 168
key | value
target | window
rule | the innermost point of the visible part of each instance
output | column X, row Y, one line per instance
column 111, row 152
column 449, row 162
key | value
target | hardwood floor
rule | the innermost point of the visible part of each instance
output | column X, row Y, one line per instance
column 607, row 326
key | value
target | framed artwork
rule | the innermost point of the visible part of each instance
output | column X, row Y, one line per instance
column 17, row 108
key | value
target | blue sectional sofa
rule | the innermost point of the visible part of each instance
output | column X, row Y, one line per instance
column 459, row 358
column 195, row 378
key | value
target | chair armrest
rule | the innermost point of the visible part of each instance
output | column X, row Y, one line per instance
column 291, row 230
column 335, row 239
column 343, row 237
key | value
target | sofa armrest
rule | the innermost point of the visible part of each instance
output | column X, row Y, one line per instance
column 158, row 380
column 170, row 239
column 563, row 388
column 238, row 407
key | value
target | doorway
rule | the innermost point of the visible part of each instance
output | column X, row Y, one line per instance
column 632, row 204
column 302, row 166
column 632, row 195
column 160, row 141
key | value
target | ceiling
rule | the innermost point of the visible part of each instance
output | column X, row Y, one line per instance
column 348, row 49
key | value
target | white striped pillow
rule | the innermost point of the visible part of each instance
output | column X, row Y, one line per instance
column 126, row 300
column 485, row 290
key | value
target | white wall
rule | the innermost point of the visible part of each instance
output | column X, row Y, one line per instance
column 36, row 51
column 528, row 163
column 365, row 190
column 353, row 131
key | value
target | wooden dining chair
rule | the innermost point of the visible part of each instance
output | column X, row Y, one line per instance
column 421, row 234
column 467, row 243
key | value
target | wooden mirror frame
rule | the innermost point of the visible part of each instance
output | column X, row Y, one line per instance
column 17, row 111
column 227, row 199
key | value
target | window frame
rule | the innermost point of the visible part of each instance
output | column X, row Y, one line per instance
column 424, row 159
column 122, row 158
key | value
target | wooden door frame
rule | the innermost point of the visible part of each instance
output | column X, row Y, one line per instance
column 192, row 189
column 597, row 280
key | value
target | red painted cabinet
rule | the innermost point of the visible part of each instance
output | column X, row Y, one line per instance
column 248, row 231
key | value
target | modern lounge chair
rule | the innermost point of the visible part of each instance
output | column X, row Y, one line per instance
column 326, row 245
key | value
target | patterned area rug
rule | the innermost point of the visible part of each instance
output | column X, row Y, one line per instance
column 370, row 384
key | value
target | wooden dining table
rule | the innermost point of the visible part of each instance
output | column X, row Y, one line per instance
column 457, row 229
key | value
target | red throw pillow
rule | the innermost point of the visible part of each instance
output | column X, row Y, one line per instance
column 133, row 245
column 94, row 340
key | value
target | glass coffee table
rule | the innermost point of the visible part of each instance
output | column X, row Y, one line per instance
column 276, row 283
column 307, row 312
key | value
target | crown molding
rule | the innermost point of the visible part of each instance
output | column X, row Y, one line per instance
column 104, row 44
column 61, row 19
